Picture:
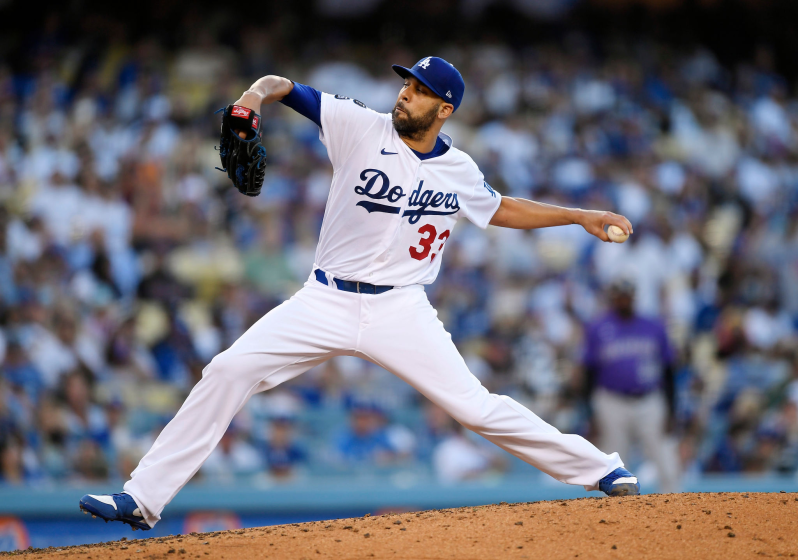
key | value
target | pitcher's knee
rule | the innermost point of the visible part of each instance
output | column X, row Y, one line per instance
column 225, row 367
column 473, row 419
column 473, row 410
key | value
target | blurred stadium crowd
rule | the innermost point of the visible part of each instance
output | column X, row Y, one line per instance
column 127, row 261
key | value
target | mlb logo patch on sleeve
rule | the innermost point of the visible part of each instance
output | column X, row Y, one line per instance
column 242, row 112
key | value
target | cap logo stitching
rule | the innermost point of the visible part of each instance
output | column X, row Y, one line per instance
column 425, row 63
column 449, row 94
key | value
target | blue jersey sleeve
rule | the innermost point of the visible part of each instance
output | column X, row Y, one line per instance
column 306, row 101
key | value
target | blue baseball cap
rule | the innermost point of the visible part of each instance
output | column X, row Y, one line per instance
column 439, row 76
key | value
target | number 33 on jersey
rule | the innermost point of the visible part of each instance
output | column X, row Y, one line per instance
column 390, row 212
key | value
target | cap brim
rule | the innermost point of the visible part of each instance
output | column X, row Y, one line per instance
column 405, row 72
column 401, row 70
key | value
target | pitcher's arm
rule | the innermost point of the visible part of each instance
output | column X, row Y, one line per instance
column 519, row 213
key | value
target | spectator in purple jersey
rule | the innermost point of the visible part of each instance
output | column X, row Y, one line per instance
column 629, row 372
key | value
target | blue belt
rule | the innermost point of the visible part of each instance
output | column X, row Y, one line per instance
column 349, row 286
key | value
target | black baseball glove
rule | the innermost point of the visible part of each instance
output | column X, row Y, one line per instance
column 243, row 159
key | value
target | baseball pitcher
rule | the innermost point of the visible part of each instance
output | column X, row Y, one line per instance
column 399, row 185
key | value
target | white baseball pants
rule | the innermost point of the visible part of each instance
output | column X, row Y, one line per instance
column 398, row 330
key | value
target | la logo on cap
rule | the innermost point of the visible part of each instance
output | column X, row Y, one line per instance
column 424, row 63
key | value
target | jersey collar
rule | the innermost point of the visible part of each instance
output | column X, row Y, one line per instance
column 446, row 139
column 442, row 135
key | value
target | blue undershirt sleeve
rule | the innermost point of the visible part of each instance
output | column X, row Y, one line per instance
column 306, row 101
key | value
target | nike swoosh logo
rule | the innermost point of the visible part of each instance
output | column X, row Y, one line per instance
column 383, row 152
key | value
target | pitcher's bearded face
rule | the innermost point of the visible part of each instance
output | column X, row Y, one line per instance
column 416, row 109
column 413, row 125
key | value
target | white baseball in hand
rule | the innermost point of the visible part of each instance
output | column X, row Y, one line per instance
column 616, row 234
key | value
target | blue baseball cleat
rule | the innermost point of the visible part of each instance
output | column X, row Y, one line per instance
column 620, row 482
column 114, row 507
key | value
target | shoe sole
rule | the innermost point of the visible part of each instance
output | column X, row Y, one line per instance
column 624, row 489
column 87, row 508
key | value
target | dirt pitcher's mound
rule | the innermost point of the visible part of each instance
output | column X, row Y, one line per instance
column 723, row 525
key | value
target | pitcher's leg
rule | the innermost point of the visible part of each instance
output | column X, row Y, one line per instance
column 292, row 338
column 407, row 339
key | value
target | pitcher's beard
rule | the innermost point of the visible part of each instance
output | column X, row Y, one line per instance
column 414, row 128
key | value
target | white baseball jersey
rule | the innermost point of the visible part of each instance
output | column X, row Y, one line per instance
column 389, row 213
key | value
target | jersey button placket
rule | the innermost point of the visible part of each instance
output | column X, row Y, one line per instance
column 414, row 186
column 404, row 206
